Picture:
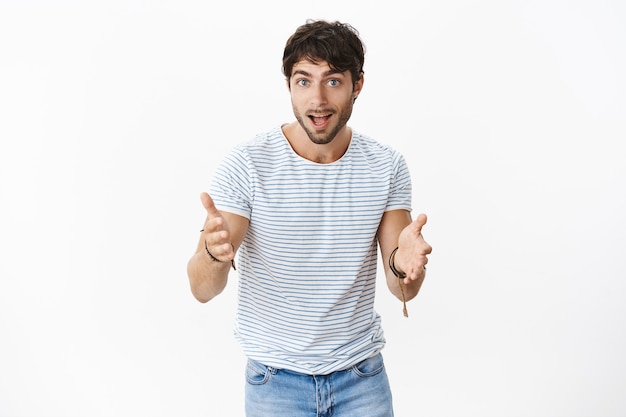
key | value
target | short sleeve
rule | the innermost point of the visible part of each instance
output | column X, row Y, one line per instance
column 231, row 188
column 400, row 192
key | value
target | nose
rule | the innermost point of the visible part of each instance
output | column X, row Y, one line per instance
column 318, row 95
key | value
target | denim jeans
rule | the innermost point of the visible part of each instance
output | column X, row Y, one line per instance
column 359, row 391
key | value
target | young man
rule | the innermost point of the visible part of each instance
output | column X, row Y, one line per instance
column 304, row 206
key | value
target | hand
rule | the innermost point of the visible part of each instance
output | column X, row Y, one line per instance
column 216, row 232
column 412, row 250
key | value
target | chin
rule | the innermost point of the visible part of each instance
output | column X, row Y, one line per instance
column 320, row 138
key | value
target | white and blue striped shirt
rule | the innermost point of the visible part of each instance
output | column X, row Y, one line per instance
column 307, row 266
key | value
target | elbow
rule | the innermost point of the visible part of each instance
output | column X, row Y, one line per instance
column 204, row 295
column 203, row 300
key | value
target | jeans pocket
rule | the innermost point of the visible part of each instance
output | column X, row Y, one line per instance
column 369, row 367
column 257, row 373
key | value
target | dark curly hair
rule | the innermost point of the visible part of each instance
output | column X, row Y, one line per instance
column 334, row 42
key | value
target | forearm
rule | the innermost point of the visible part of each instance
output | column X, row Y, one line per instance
column 208, row 268
column 207, row 278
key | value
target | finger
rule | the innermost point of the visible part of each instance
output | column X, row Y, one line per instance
column 223, row 252
column 416, row 273
column 213, row 232
column 219, row 248
column 209, row 205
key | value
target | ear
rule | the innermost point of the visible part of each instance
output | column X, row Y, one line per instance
column 358, row 86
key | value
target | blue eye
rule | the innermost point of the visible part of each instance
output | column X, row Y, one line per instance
column 334, row 82
column 302, row 83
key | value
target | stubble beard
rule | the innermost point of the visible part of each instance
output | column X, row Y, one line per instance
column 325, row 136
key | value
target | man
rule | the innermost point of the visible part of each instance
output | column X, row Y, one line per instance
column 304, row 206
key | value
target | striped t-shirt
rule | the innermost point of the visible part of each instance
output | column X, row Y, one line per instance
column 307, row 266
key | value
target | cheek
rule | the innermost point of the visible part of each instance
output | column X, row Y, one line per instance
column 299, row 100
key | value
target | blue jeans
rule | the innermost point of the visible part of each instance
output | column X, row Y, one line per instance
column 359, row 391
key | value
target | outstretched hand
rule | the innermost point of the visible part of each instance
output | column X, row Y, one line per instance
column 411, row 257
column 216, row 233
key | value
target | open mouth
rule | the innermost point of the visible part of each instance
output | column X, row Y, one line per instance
column 320, row 120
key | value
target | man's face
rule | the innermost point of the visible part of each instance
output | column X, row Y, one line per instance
column 322, row 99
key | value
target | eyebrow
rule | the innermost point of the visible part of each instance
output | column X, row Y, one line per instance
column 308, row 74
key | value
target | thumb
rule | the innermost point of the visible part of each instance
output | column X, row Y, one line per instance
column 209, row 205
column 420, row 222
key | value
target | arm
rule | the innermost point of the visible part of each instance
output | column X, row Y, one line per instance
column 396, row 230
column 222, row 234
